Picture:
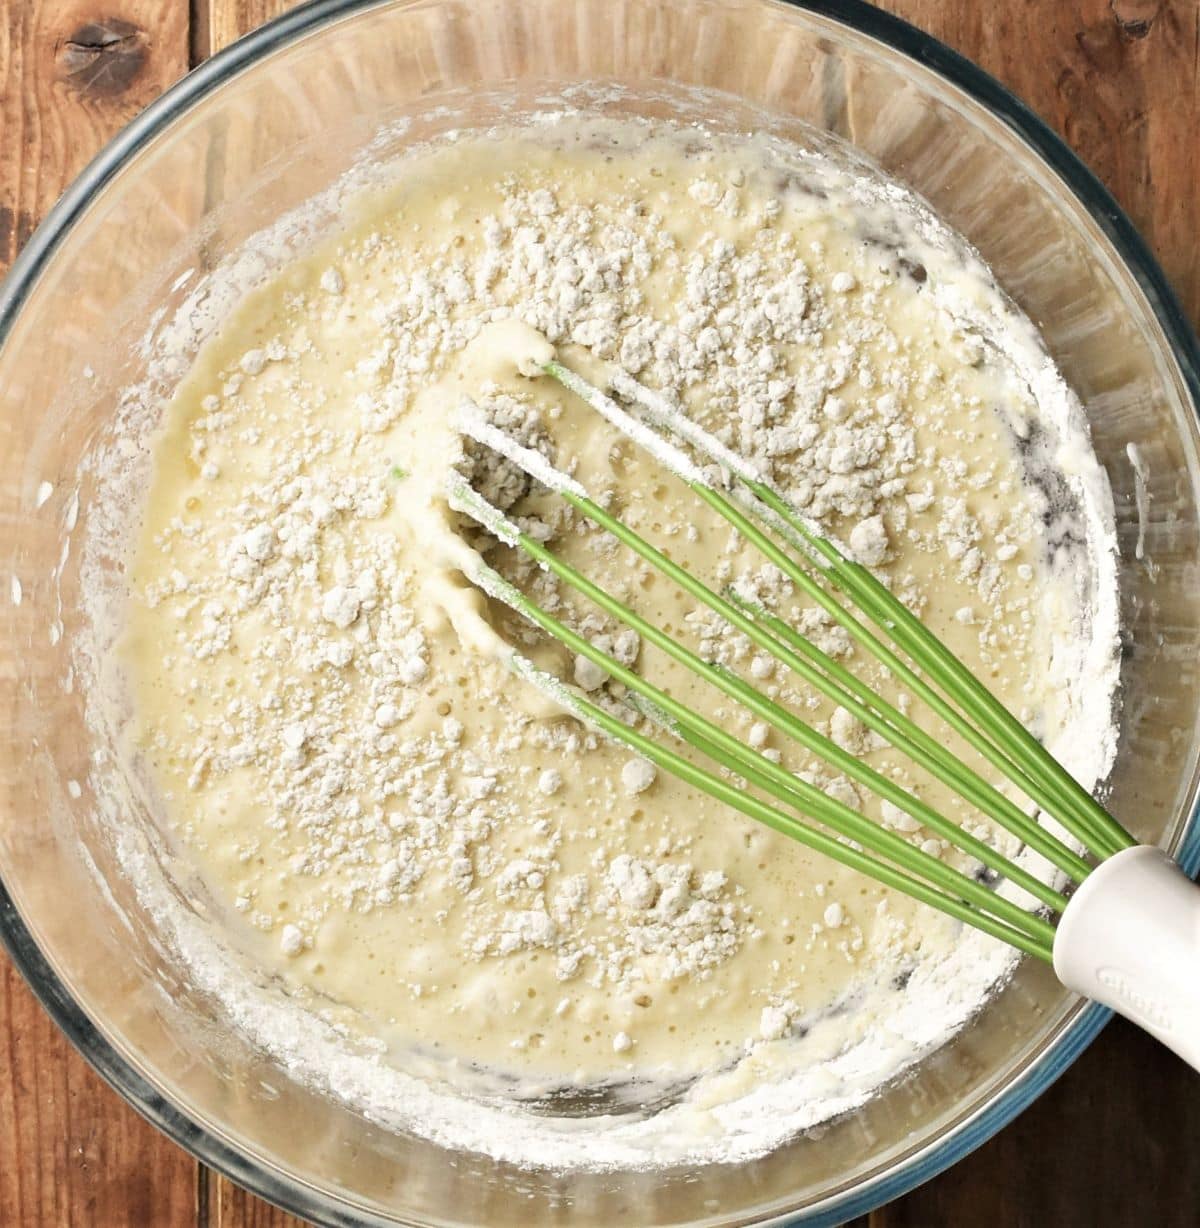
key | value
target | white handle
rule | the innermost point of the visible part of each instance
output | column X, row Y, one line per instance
column 1130, row 938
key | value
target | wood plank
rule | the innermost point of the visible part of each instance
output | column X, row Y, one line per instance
column 1120, row 81
column 71, row 1152
column 224, row 21
column 71, row 75
column 1107, row 1145
column 232, row 1207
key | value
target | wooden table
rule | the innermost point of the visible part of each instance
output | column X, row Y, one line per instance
column 1114, row 1142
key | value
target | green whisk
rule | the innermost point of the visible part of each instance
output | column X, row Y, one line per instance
column 1125, row 927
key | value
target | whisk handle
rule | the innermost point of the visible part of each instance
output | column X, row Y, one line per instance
column 1130, row 938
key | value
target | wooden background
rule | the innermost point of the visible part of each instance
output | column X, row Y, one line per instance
column 1113, row 1143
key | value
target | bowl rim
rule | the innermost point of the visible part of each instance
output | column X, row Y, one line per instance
column 1077, row 1031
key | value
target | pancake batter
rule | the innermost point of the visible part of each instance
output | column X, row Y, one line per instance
column 399, row 828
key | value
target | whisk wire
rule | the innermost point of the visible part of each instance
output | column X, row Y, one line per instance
column 909, row 737
column 955, row 893
column 727, row 750
column 893, row 726
column 989, row 799
column 761, row 503
column 1030, row 756
column 944, row 684
column 775, row 714
column 1013, row 749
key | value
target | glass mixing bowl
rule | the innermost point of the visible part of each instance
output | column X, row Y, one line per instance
column 268, row 124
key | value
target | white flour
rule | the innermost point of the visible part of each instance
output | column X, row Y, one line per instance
column 303, row 539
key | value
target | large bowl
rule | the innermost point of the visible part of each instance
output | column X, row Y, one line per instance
column 273, row 121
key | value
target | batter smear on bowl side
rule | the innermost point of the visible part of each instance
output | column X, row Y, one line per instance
column 428, row 856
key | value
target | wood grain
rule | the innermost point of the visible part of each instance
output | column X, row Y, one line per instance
column 71, row 1152
column 1120, row 81
column 1109, row 1145
column 1106, row 1147
column 223, row 21
column 232, row 1207
column 71, row 73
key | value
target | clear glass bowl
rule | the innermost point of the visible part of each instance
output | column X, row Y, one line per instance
column 269, row 123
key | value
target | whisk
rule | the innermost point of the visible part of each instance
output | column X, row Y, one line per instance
column 1123, row 929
